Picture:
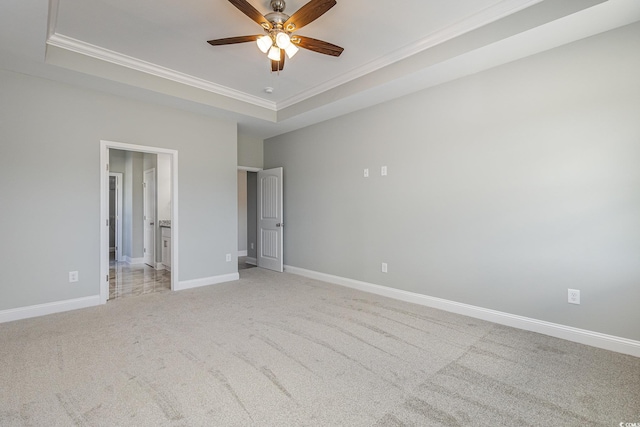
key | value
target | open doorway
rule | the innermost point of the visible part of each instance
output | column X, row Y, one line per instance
column 144, row 264
column 260, row 218
column 247, row 218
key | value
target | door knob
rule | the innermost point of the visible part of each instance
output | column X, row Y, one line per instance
column 280, row 224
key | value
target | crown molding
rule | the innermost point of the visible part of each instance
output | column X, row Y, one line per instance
column 78, row 46
column 480, row 19
column 52, row 17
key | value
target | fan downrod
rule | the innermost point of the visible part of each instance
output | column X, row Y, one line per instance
column 278, row 5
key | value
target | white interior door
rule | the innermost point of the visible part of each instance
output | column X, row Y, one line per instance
column 270, row 219
column 149, row 210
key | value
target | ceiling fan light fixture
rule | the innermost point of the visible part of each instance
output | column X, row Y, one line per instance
column 264, row 43
column 278, row 41
column 283, row 40
column 274, row 53
column 291, row 50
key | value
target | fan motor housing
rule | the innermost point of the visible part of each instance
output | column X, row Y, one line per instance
column 277, row 18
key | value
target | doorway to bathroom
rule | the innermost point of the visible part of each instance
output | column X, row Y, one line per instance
column 146, row 253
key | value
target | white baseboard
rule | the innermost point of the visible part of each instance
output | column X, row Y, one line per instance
column 133, row 261
column 251, row 261
column 160, row 266
column 569, row 333
column 48, row 308
column 243, row 253
column 205, row 281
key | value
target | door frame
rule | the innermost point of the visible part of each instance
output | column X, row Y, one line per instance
column 252, row 261
column 145, row 210
column 119, row 201
column 271, row 224
column 105, row 146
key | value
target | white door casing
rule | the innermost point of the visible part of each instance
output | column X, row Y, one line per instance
column 149, row 209
column 105, row 146
column 270, row 223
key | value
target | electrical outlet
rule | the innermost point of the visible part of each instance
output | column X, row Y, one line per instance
column 228, row 257
column 73, row 276
column 384, row 267
column 383, row 171
column 366, row 173
column 574, row 296
column 252, row 246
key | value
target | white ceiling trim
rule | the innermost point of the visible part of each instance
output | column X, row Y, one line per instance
column 485, row 17
column 78, row 46
column 53, row 17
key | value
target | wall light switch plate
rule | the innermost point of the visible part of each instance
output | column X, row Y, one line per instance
column 228, row 257
column 366, row 173
column 384, row 267
column 383, row 171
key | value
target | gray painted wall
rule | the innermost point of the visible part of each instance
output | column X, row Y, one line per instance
column 250, row 151
column 150, row 161
column 505, row 188
column 134, row 207
column 117, row 164
column 163, row 200
column 131, row 165
column 50, row 214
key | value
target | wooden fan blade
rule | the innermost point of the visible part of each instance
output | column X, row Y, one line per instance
column 308, row 13
column 251, row 12
column 278, row 65
column 317, row 45
column 233, row 40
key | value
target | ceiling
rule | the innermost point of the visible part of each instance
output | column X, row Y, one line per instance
column 156, row 50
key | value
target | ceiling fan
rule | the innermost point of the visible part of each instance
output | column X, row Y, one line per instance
column 278, row 38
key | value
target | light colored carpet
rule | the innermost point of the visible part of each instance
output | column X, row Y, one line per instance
column 281, row 350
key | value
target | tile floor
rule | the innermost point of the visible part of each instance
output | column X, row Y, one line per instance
column 131, row 280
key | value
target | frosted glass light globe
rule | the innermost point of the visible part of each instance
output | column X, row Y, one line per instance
column 274, row 53
column 283, row 41
column 264, row 43
column 291, row 50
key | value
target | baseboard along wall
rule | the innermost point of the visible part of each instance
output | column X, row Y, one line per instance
column 133, row 261
column 205, row 281
column 582, row 336
column 20, row 313
column 594, row 339
column 48, row 308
